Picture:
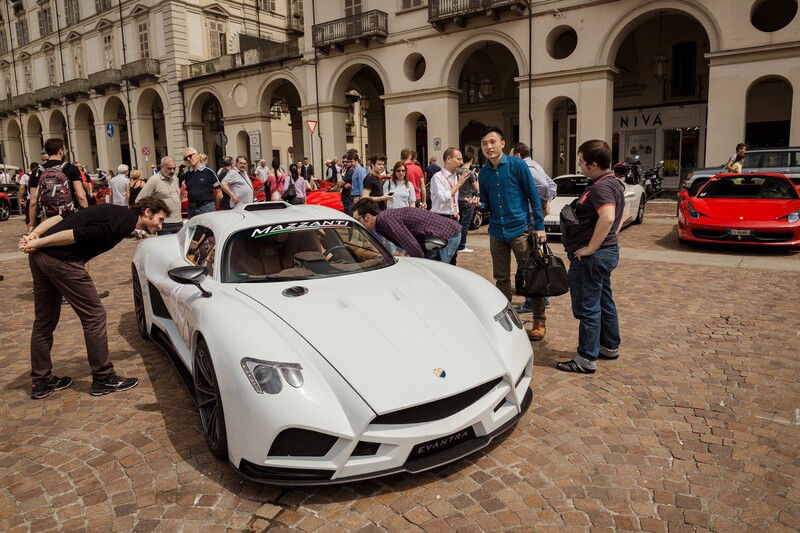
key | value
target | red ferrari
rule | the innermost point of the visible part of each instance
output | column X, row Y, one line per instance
column 761, row 209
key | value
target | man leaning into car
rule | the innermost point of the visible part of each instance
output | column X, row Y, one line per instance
column 58, row 250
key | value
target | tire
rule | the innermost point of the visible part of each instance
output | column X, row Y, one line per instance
column 138, row 305
column 477, row 220
column 640, row 213
column 5, row 211
column 209, row 401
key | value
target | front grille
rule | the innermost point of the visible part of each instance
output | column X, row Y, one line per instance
column 295, row 442
column 439, row 409
column 755, row 236
column 772, row 236
column 719, row 235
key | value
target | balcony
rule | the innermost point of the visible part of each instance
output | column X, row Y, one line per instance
column 142, row 70
column 295, row 24
column 105, row 79
column 75, row 87
column 361, row 28
column 23, row 101
column 264, row 54
column 45, row 95
column 440, row 12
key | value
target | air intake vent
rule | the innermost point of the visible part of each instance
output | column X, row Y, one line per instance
column 157, row 303
column 266, row 206
column 439, row 409
column 364, row 448
column 295, row 442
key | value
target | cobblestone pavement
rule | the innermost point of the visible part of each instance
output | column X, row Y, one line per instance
column 695, row 427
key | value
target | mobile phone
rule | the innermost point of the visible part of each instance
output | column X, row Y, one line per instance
column 390, row 193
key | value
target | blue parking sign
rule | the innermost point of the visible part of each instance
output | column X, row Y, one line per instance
column 110, row 129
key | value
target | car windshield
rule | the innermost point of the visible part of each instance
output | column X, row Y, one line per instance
column 782, row 158
column 571, row 185
column 310, row 249
column 765, row 187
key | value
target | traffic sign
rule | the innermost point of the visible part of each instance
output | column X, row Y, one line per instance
column 110, row 129
column 312, row 126
column 145, row 151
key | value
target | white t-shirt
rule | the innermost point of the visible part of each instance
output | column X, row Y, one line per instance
column 403, row 196
column 3, row 177
column 23, row 180
column 241, row 186
column 119, row 188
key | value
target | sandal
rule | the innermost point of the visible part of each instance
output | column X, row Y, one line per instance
column 572, row 366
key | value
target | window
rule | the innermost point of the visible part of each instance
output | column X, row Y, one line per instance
column 102, row 5
column 77, row 60
column 684, row 69
column 297, row 8
column 217, row 39
column 51, row 69
column 267, row 5
column 3, row 40
column 408, row 4
column 108, row 50
column 352, row 8
column 27, row 75
column 22, row 32
column 72, row 11
column 45, row 21
column 202, row 248
column 144, row 38
column 7, row 83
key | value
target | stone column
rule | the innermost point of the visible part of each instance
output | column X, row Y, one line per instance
column 727, row 108
column 108, row 155
column 142, row 127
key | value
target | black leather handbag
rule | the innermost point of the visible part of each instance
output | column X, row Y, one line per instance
column 541, row 274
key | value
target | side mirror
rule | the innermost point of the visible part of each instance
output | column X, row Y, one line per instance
column 189, row 275
column 683, row 194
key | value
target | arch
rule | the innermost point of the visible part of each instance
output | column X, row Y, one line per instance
column 13, row 143
column 152, row 123
column 347, row 72
column 85, row 138
column 144, row 101
column 57, row 121
column 199, row 99
column 34, row 125
column 768, row 112
column 769, row 77
column 242, row 144
column 625, row 24
column 458, row 57
column 416, row 135
column 111, row 108
column 273, row 82
column 12, row 128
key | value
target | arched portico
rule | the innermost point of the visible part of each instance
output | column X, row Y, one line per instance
column 13, row 143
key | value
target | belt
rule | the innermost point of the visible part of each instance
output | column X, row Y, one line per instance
column 194, row 204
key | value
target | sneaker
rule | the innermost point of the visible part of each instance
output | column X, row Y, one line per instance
column 524, row 308
column 112, row 383
column 467, row 250
column 44, row 387
column 572, row 366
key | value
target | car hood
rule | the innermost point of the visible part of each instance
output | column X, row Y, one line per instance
column 387, row 331
column 744, row 209
column 556, row 205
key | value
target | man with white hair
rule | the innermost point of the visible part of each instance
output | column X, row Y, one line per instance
column 164, row 186
column 119, row 186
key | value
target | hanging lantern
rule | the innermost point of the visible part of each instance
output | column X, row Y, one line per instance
column 486, row 87
column 284, row 103
column 660, row 65
column 365, row 103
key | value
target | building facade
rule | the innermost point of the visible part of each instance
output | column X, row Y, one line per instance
column 676, row 80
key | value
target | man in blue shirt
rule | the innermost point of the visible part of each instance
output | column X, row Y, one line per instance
column 359, row 173
column 508, row 191
column 202, row 184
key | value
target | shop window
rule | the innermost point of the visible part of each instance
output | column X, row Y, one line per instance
column 561, row 42
column 683, row 82
column 772, row 15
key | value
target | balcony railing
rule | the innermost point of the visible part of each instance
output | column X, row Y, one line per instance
column 263, row 55
column 295, row 24
column 359, row 28
column 21, row 101
column 110, row 77
column 75, row 87
column 442, row 11
column 145, row 68
column 45, row 95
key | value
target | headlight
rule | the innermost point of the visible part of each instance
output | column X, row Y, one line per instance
column 508, row 318
column 693, row 213
column 265, row 376
column 793, row 217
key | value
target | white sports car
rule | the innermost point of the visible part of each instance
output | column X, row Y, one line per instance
column 571, row 186
column 317, row 357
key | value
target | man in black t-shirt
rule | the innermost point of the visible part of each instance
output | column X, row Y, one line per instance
column 58, row 251
column 55, row 157
column 373, row 184
column 592, row 262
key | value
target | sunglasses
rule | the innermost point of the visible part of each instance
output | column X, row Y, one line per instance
column 188, row 157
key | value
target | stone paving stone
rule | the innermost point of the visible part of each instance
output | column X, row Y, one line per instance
column 694, row 428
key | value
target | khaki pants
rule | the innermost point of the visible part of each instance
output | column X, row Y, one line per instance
column 501, row 268
column 52, row 279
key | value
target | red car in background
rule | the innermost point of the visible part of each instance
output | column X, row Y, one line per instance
column 323, row 196
column 752, row 208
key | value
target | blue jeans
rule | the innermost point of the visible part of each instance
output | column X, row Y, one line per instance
column 447, row 253
column 200, row 209
column 466, row 212
column 593, row 303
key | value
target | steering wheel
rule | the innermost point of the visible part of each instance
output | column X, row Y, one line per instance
column 332, row 248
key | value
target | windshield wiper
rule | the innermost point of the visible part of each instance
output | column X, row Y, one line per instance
column 269, row 277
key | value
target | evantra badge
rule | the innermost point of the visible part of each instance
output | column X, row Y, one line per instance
column 440, row 372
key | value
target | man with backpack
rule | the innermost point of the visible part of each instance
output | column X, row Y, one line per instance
column 56, row 189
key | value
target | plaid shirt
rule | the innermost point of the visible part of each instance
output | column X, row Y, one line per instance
column 408, row 227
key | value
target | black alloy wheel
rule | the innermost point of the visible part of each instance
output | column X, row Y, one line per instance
column 138, row 305
column 640, row 213
column 5, row 211
column 209, row 402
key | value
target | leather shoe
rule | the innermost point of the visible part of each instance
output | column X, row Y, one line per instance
column 537, row 332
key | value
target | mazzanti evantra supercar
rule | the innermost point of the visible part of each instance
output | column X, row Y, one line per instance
column 317, row 357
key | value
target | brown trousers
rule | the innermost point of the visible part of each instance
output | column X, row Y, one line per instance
column 501, row 269
column 52, row 279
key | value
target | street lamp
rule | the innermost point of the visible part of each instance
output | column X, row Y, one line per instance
column 486, row 87
column 284, row 103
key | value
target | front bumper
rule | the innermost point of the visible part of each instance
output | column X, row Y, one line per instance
column 308, row 476
column 760, row 233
